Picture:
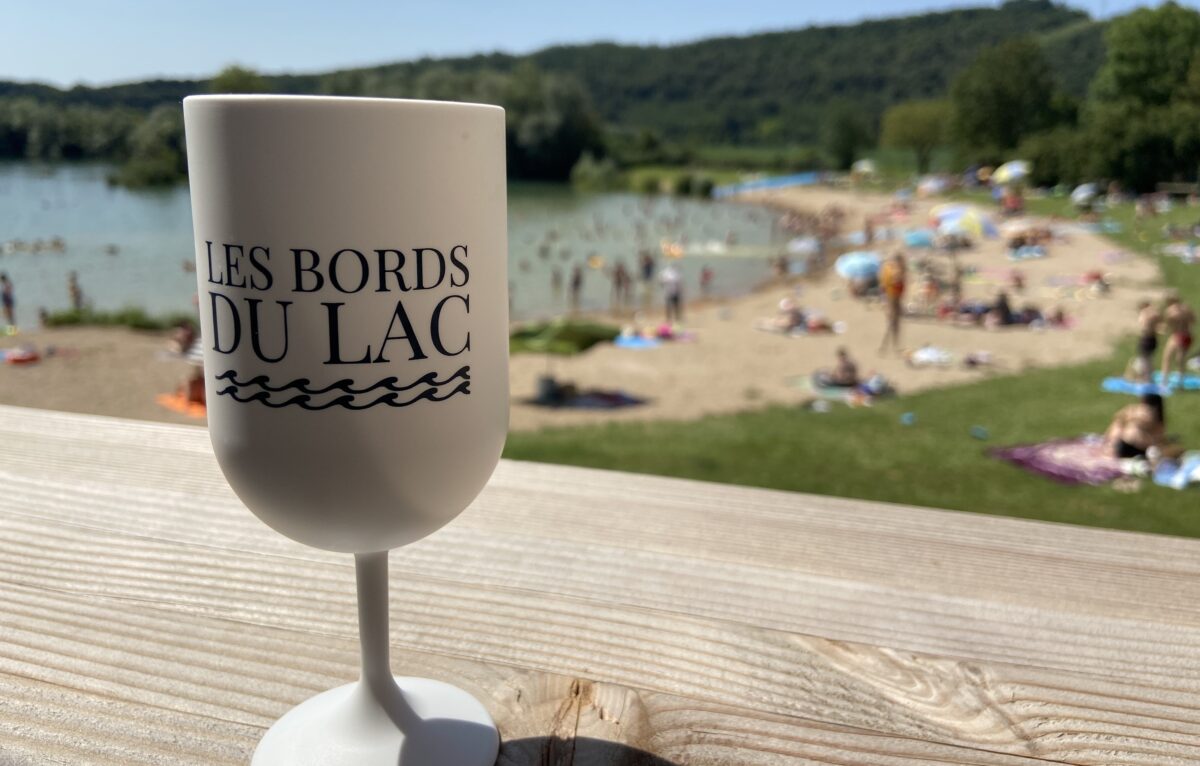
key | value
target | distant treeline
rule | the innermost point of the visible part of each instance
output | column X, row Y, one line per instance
column 635, row 103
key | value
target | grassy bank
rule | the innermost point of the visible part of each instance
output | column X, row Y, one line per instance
column 936, row 461
column 133, row 318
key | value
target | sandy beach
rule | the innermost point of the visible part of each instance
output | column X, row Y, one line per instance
column 728, row 367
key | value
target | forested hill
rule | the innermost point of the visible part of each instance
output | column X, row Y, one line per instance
column 764, row 88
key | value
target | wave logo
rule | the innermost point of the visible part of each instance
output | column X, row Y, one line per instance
column 343, row 393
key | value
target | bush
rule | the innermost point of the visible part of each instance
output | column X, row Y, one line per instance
column 132, row 317
column 648, row 183
column 683, row 184
column 1059, row 156
column 591, row 174
column 561, row 336
column 703, row 186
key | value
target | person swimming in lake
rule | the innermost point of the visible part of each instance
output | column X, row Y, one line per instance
column 1137, row 428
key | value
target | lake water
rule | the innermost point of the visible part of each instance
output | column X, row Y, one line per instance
column 129, row 247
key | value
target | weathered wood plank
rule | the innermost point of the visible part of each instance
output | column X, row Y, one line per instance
column 999, row 707
column 86, row 682
column 668, row 619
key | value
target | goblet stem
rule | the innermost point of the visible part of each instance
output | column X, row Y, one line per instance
column 377, row 681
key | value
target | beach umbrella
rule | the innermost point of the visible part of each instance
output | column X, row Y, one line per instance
column 859, row 264
column 1012, row 172
column 804, row 246
column 972, row 223
column 919, row 238
column 1084, row 194
column 948, row 211
column 863, row 167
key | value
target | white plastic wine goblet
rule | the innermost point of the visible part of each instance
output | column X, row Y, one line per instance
column 351, row 265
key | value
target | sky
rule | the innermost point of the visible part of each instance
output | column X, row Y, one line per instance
column 64, row 42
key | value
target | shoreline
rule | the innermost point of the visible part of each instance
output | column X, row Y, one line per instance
column 729, row 366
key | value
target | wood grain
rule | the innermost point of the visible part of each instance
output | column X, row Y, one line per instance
column 146, row 617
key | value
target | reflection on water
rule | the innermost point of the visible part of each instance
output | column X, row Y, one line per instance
column 129, row 248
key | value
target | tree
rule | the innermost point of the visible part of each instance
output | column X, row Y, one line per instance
column 1144, row 117
column 1061, row 155
column 237, row 79
column 1151, row 53
column 157, row 154
column 921, row 126
column 1005, row 95
column 845, row 132
column 550, row 124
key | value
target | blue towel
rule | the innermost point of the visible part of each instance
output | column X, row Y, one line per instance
column 1170, row 473
column 1026, row 253
column 636, row 342
column 1122, row 386
column 1187, row 383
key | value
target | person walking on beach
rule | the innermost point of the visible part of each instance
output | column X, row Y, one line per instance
column 6, row 299
column 1148, row 320
column 706, row 281
column 576, row 287
column 1178, row 320
column 892, row 278
column 646, row 267
column 672, row 284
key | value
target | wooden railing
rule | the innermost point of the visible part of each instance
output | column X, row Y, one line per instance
column 147, row 618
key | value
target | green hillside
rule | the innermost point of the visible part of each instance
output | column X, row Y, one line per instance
column 767, row 88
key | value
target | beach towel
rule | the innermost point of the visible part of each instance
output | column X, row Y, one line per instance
column 1133, row 388
column 1027, row 253
column 1081, row 460
column 930, row 356
column 179, row 403
column 636, row 342
column 595, row 399
column 864, row 394
column 1177, row 382
column 1179, row 474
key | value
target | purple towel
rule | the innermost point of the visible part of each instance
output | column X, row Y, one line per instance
column 1081, row 460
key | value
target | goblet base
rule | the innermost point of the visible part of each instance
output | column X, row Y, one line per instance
column 434, row 724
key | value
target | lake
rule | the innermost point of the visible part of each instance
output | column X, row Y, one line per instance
column 129, row 247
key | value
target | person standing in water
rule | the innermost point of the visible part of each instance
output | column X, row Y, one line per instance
column 1178, row 320
column 892, row 278
column 646, row 267
column 621, row 281
column 6, row 298
column 576, row 287
column 672, row 284
column 74, row 291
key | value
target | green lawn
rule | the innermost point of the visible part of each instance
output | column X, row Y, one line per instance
column 936, row 461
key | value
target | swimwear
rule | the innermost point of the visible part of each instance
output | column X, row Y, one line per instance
column 1124, row 449
column 1147, row 344
column 1183, row 340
